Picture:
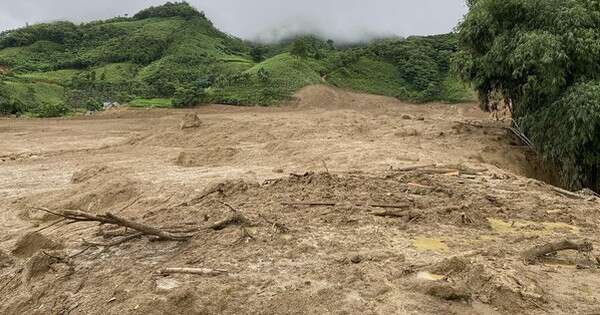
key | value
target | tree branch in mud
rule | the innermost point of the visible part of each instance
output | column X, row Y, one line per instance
column 333, row 204
column 193, row 271
column 536, row 253
column 109, row 218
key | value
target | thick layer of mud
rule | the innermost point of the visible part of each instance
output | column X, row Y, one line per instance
column 351, row 204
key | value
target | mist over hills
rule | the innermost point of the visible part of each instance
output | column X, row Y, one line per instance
column 266, row 20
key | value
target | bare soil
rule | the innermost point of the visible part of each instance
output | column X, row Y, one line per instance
column 339, row 220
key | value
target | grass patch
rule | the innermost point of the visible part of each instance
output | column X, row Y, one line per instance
column 370, row 76
column 151, row 103
column 116, row 72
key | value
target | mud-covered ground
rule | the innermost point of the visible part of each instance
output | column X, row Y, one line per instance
column 349, row 204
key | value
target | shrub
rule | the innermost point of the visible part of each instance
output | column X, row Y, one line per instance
column 46, row 110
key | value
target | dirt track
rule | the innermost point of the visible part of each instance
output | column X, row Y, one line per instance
column 456, row 249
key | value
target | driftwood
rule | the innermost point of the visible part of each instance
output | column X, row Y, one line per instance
column 192, row 271
column 534, row 254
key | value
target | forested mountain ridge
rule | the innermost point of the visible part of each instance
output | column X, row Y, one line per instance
column 173, row 55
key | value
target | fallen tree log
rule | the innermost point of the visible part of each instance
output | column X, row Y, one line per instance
column 538, row 252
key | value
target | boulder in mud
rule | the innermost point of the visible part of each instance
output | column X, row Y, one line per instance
column 32, row 243
column 190, row 121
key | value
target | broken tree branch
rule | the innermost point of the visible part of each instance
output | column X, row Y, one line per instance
column 333, row 204
column 534, row 254
column 234, row 219
column 193, row 271
column 109, row 218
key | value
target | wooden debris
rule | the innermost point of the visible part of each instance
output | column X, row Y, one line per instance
column 413, row 167
column 534, row 254
column 310, row 204
column 566, row 193
column 193, row 271
column 277, row 227
column 333, row 204
column 109, row 218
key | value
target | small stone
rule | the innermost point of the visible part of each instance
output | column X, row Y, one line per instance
column 407, row 117
column 356, row 259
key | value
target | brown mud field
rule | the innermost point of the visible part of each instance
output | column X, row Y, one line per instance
column 338, row 203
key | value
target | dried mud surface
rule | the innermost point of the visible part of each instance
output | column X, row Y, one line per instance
column 379, row 238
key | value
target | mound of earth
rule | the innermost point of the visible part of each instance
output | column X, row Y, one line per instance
column 328, row 205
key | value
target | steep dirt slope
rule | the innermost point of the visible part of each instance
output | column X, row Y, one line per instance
column 336, row 219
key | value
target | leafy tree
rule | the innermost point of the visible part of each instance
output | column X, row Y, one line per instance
column 257, row 52
column 191, row 95
column 169, row 9
column 543, row 57
column 300, row 48
column 8, row 103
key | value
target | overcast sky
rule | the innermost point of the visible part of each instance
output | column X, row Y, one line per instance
column 344, row 20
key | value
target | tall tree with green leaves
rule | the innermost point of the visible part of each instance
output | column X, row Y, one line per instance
column 543, row 56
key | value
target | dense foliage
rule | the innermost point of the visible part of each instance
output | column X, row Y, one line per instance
column 543, row 56
column 173, row 54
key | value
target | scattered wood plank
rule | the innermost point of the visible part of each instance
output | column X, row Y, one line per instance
column 193, row 271
column 534, row 254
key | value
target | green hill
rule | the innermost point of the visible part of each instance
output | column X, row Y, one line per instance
column 174, row 52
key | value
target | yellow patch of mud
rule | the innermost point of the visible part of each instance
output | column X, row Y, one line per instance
column 502, row 226
column 428, row 276
column 430, row 244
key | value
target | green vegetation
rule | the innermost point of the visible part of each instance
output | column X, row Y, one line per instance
column 543, row 57
column 151, row 103
column 174, row 52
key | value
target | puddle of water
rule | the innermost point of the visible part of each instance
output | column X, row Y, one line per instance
column 433, row 244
